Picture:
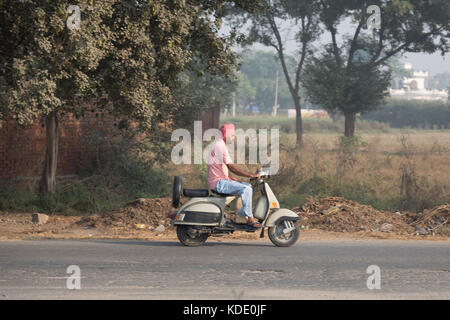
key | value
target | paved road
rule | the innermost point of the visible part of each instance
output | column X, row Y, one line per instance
column 113, row 269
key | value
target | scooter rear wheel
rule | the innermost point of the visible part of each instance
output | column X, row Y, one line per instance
column 280, row 239
column 187, row 236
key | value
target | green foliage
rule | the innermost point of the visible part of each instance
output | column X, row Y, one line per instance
column 198, row 90
column 351, row 76
column 291, row 200
column 127, row 166
column 317, row 186
column 264, row 27
column 327, row 186
column 287, row 125
column 257, row 81
column 321, row 186
column 398, row 69
column 203, row 170
column 440, row 81
column 127, row 57
column 415, row 114
column 44, row 65
column 351, row 144
column 348, row 148
column 347, row 88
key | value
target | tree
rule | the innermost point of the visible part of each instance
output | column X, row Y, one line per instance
column 245, row 92
column 198, row 90
column 397, row 68
column 441, row 81
column 257, row 80
column 265, row 28
column 125, row 57
column 332, row 85
column 406, row 26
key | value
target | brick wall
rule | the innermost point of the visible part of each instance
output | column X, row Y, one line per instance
column 211, row 118
column 22, row 149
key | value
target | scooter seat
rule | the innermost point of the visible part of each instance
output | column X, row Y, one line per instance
column 195, row 193
column 222, row 194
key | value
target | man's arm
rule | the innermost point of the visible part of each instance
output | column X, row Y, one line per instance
column 235, row 169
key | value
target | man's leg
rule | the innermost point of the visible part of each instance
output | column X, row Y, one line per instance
column 242, row 189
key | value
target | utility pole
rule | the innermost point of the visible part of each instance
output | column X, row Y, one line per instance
column 275, row 105
column 234, row 105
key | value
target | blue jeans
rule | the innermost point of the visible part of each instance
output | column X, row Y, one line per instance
column 242, row 189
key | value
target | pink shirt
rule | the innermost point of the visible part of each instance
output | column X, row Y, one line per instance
column 217, row 163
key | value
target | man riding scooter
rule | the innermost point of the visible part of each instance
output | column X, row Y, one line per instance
column 219, row 165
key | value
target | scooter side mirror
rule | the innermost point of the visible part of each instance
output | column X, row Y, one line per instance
column 265, row 171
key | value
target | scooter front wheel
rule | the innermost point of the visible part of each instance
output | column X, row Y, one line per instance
column 284, row 233
column 190, row 237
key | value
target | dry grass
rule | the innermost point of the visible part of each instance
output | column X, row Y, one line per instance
column 389, row 171
column 399, row 170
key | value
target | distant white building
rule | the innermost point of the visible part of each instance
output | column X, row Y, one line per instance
column 415, row 87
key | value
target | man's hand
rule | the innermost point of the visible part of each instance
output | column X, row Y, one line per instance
column 233, row 168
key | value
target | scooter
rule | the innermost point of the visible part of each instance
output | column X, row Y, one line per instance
column 207, row 213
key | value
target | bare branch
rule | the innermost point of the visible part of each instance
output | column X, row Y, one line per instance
column 380, row 44
column 404, row 46
column 280, row 51
column 354, row 40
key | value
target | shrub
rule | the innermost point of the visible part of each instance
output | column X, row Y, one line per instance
column 310, row 125
column 119, row 175
column 414, row 114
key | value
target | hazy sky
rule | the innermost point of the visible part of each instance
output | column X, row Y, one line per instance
column 433, row 63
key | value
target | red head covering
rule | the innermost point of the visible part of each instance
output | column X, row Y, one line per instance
column 227, row 130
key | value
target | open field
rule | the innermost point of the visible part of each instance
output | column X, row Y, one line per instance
column 402, row 169
column 388, row 169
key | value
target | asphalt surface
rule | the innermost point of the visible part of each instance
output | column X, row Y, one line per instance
column 115, row 269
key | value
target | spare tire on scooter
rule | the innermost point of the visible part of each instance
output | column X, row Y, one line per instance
column 176, row 193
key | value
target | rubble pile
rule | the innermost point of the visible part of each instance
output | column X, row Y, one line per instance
column 139, row 214
column 433, row 221
column 342, row 215
column 329, row 214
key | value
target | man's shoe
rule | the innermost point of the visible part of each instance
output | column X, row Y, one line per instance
column 254, row 223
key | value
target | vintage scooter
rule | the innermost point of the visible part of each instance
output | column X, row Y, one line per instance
column 207, row 213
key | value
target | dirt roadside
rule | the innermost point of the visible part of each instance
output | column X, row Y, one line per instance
column 146, row 219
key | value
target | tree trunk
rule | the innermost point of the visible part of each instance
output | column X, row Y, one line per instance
column 350, row 119
column 298, row 122
column 48, row 180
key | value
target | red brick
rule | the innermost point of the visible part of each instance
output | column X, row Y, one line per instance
column 22, row 150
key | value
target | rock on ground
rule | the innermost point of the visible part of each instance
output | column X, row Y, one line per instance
column 39, row 218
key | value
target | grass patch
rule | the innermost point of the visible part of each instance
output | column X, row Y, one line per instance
column 310, row 125
column 388, row 172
